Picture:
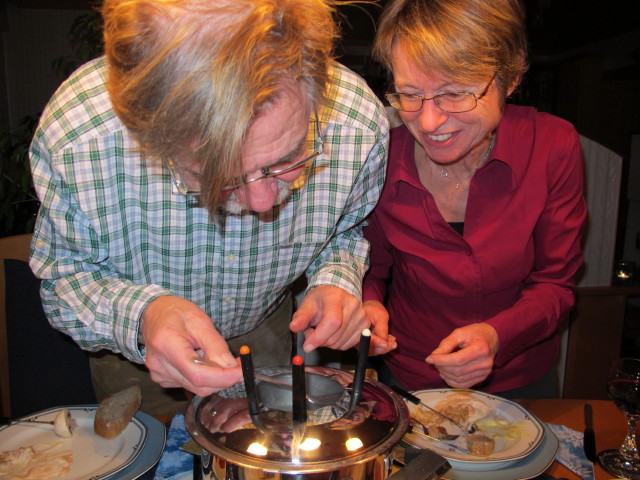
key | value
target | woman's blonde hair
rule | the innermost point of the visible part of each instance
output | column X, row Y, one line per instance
column 469, row 41
column 187, row 77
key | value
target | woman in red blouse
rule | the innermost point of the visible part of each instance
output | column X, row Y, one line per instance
column 476, row 237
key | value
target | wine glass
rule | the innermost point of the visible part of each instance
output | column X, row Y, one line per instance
column 623, row 385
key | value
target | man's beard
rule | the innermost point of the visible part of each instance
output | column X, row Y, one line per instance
column 233, row 206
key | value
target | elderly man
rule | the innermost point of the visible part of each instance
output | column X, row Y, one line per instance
column 189, row 177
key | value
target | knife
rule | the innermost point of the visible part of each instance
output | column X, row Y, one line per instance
column 589, row 435
column 416, row 401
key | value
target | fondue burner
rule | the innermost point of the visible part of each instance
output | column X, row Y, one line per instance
column 340, row 441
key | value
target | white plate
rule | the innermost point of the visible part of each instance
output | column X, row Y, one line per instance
column 94, row 457
column 531, row 429
column 151, row 452
column 529, row 467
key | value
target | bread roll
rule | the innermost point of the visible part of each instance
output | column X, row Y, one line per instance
column 116, row 411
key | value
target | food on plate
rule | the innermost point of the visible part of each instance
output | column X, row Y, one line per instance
column 480, row 444
column 116, row 411
column 435, row 431
column 36, row 462
column 493, row 433
column 63, row 424
column 463, row 408
column 504, row 433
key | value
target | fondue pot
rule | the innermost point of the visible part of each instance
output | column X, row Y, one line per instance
column 342, row 441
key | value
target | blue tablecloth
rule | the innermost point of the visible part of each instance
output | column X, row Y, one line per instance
column 571, row 452
column 175, row 463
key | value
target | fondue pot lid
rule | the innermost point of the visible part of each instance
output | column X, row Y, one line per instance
column 333, row 436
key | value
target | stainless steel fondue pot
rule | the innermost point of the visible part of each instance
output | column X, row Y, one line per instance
column 338, row 442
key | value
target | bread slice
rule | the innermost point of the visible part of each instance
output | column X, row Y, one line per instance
column 116, row 411
column 480, row 444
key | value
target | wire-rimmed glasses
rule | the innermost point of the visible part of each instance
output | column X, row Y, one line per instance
column 451, row 102
column 265, row 172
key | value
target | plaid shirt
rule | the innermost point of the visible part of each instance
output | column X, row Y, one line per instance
column 112, row 235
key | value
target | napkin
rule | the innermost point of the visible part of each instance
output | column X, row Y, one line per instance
column 175, row 462
column 571, row 452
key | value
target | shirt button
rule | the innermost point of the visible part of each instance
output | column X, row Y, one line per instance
column 228, row 299
column 231, row 258
column 40, row 243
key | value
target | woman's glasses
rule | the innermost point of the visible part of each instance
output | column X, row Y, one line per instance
column 453, row 102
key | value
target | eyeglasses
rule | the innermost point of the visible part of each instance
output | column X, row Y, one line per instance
column 453, row 102
column 265, row 172
column 268, row 172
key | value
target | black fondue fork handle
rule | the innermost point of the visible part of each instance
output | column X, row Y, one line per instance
column 361, row 368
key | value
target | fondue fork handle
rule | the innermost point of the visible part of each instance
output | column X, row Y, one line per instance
column 249, row 381
column 298, row 391
column 361, row 368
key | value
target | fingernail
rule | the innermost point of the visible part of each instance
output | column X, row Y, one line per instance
column 308, row 347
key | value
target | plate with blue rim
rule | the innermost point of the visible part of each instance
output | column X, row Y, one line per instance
column 129, row 455
column 530, row 431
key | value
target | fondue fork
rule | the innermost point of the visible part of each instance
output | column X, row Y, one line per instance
column 259, row 376
column 416, row 401
column 425, row 429
column 455, row 447
column 330, row 397
column 249, row 382
column 361, row 368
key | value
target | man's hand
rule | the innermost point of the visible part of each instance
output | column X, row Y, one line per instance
column 174, row 331
column 331, row 317
column 465, row 358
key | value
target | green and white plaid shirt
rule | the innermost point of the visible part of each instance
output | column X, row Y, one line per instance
column 111, row 236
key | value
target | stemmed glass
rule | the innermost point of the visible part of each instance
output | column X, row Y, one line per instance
column 623, row 385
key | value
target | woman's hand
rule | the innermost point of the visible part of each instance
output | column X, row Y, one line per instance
column 381, row 342
column 465, row 358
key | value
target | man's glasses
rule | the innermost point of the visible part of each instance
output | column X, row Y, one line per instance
column 266, row 172
column 453, row 102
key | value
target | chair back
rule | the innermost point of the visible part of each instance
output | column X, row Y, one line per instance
column 40, row 367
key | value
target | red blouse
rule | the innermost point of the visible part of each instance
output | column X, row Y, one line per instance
column 513, row 267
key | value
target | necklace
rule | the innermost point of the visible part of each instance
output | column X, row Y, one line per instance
column 475, row 167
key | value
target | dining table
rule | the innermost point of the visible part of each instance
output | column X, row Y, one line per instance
column 609, row 425
column 608, row 422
